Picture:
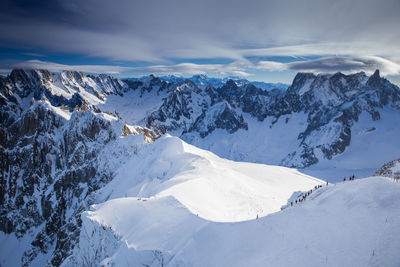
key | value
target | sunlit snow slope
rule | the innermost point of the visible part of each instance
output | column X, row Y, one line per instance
column 348, row 224
column 216, row 189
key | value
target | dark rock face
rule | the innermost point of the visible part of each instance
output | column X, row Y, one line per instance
column 299, row 81
column 390, row 169
column 255, row 101
column 221, row 116
column 48, row 168
column 176, row 105
column 146, row 86
column 187, row 108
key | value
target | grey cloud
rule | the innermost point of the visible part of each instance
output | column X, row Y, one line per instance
column 367, row 64
column 158, row 31
column 236, row 68
column 55, row 67
column 344, row 64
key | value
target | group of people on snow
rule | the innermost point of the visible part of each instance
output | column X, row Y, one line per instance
column 351, row 178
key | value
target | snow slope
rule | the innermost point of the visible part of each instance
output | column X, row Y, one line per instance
column 347, row 224
column 133, row 106
column 262, row 142
column 216, row 189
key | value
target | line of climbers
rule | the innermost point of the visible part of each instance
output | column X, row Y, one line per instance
column 304, row 196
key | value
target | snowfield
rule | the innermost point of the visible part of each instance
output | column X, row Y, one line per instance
column 216, row 189
column 176, row 205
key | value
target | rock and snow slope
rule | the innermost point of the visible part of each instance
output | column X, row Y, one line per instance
column 317, row 124
column 51, row 161
column 347, row 224
column 390, row 169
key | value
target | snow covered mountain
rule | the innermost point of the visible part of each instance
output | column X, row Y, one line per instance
column 69, row 141
column 321, row 123
column 318, row 121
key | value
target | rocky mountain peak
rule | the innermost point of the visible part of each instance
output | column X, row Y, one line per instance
column 374, row 80
column 230, row 84
column 29, row 76
column 300, row 81
column 230, row 88
column 74, row 76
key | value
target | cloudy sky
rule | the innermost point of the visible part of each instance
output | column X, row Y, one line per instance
column 257, row 39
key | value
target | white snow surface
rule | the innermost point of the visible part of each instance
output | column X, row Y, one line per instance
column 347, row 224
column 216, row 189
column 133, row 106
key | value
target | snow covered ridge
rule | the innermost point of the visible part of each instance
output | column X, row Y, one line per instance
column 171, row 180
column 348, row 224
column 213, row 188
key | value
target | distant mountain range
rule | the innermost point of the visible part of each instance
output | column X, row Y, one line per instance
column 202, row 81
